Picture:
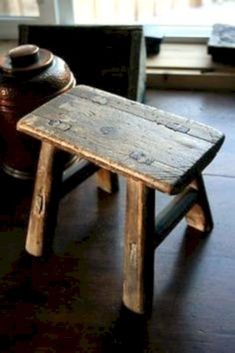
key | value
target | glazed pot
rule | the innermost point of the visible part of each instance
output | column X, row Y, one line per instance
column 29, row 77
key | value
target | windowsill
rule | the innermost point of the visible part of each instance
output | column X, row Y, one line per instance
column 188, row 66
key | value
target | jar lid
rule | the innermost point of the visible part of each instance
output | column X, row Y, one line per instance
column 26, row 58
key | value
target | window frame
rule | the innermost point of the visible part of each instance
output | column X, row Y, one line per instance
column 62, row 12
column 170, row 33
column 49, row 11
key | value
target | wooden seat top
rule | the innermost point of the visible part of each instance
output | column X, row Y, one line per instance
column 161, row 149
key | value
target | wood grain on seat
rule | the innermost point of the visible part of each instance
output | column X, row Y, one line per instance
column 161, row 149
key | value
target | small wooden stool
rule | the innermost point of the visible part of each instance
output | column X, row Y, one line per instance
column 152, row 148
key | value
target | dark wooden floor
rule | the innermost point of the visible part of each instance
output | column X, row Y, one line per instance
column 71, row 302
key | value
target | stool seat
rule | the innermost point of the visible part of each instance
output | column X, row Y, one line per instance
column 152, row 148
column 161, row 149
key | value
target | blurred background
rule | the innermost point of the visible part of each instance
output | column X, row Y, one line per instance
column 167, row 12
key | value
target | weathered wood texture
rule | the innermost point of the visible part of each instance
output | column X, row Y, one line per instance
column 172, row 214
column 161, row 149
column 107, row 181
column 199, row 216
column 154, row 149
column 139, row 249
column 45, row 201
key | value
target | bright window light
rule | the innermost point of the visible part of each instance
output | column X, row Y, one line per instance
column 19, row 8
column 160, row 12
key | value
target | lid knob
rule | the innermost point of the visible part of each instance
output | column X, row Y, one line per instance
column 24, row 55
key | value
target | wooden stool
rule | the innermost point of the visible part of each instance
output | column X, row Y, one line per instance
column 152, row 148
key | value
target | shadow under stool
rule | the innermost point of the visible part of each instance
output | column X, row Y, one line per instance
column 154, row 149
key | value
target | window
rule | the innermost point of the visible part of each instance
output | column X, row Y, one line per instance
column 196, row 12
column 174, row 18
column 13, row 12
column 19, row 8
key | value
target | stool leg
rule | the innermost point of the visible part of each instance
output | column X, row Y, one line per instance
column 199, row 216
column 107, row 181
column 45, row 201
column 139, row 247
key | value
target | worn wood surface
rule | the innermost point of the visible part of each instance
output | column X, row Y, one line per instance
column 161, row 149
column 107, row 180
column 199, row 216
column 173, row 213
column 139, row 249
column 45, row 202
column 74, row 302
